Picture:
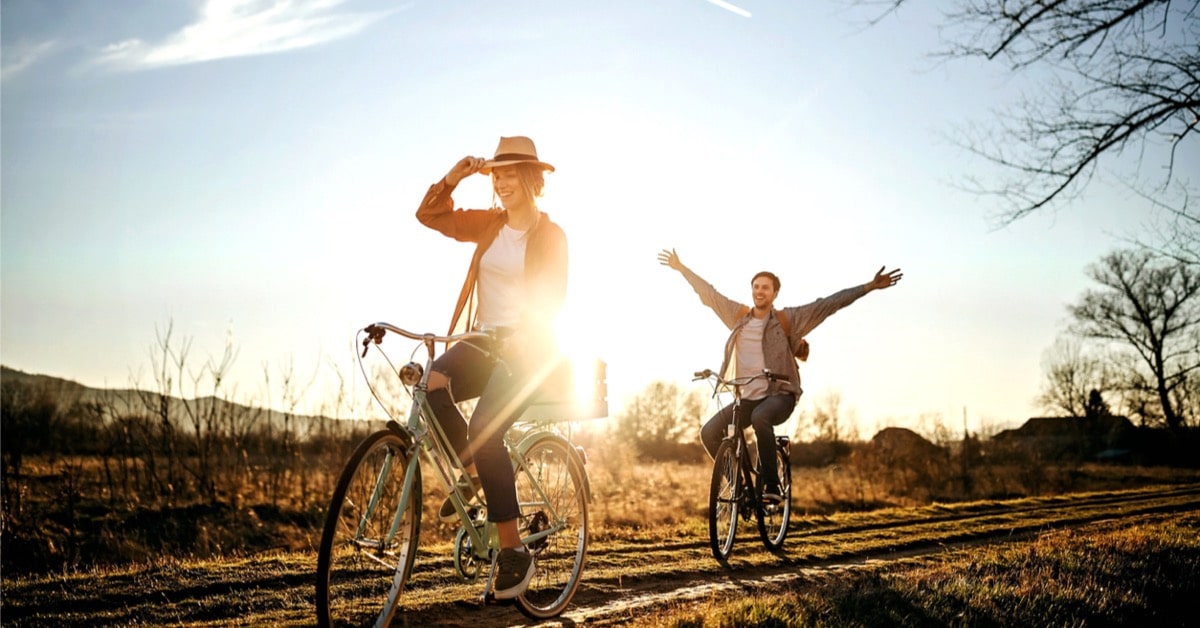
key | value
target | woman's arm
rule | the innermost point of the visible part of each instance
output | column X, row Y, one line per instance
column 437, row 208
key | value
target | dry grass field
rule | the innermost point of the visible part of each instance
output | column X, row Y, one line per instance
column 1107, row 558
column 223, row 532
column 867, row 546
column 62, row 515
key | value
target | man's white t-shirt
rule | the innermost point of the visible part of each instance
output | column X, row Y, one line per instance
column 750, row 360
column 501, row 280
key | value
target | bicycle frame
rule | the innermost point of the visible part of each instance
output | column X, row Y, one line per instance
column 735, row 490
column 425, row 435
column 732, row 430
column 373, row 526
column 746, row 470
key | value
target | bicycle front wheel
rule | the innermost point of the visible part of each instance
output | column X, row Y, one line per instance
column 723, row 501
column 370, row 537
column 552, row 493
column 773, row 518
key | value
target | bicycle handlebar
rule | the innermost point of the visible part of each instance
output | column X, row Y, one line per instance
column 376, row 331
column 738, row 381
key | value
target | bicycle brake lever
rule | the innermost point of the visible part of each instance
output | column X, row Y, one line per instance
column 373, row 333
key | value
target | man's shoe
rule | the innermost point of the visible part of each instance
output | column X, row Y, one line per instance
column 446, row 513
column 772, row 494
column 514, row 570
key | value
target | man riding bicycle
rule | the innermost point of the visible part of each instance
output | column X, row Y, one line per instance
column 758, row 341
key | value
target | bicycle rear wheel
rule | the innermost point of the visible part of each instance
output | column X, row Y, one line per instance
column 366, row 553
column 773, row 518
column 552, row 493
column 723, row 496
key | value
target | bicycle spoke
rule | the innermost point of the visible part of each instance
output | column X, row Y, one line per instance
column 367, row 551
column 773, row 519
column 723, row 505
column 373, row 523
column 551, row 490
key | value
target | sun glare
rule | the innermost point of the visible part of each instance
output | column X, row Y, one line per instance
column 587, row 393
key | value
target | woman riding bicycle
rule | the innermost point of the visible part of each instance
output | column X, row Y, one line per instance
column 515, row 287
column 758, row 341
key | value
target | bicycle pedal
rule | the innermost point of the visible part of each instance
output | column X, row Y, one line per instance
column 489, row 599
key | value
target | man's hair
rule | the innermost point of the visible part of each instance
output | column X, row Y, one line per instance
column 769, row 275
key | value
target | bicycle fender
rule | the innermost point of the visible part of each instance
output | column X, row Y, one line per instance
column 399, row 430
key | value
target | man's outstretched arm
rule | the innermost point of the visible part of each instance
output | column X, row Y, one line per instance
column 668, row 257
column 884, row 280
column 725, row 307
column 806, row 317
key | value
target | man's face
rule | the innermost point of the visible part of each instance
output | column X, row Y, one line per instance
column 763, row 291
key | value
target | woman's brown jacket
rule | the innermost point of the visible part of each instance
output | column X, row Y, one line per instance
column 545, row 258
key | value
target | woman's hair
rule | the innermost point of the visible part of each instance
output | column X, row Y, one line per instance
column 532, row 179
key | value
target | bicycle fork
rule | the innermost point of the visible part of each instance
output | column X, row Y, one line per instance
column 746, row 493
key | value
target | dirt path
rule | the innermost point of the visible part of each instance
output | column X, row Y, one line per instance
column 642, row 596
column 623, row 579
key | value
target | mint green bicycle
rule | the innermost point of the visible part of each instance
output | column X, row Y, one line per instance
column 373, row 525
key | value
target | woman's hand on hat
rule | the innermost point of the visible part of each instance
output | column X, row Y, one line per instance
column 465, row 167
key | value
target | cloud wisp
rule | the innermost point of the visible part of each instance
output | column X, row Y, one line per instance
column 730, row 7
column 240, row 28
column 18, row 57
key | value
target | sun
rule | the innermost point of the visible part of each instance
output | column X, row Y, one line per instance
column 584, row 394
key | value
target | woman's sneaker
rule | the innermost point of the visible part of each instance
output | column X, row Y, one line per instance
column 514, row 571
column 446, row 513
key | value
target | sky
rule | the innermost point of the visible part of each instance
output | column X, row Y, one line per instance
column 245, row 173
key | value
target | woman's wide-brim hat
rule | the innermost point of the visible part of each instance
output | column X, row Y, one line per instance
column 514, row 150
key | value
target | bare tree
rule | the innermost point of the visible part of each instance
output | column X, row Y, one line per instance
column 1148, row 305
column 204, row 415
column 285, row 467
column 196, row 423
column 1097, row 407
column 1125, row 76
column 826, row 423
column 1072, row 374
column 157, row 404
column 28, row 416
column 660, row 417
column 1175, row 231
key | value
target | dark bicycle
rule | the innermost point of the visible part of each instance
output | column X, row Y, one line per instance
column 737, row 486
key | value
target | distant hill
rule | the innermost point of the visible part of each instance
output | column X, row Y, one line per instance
column 69, row 392
column 63, row 388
